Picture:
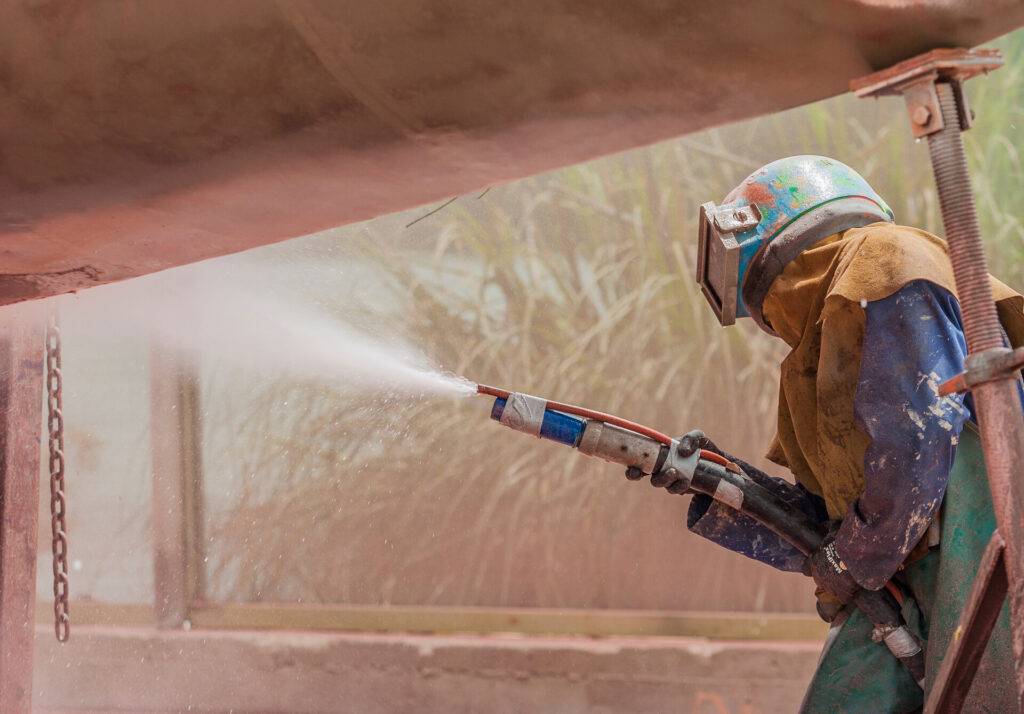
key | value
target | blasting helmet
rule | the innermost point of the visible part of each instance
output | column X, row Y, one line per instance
column 778, row 211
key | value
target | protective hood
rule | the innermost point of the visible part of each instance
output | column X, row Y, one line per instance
column 815, row 306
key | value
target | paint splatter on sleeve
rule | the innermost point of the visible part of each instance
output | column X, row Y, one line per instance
column 913, row 341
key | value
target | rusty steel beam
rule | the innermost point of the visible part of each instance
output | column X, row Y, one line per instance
column 931, row 84
column 21, row 414
column 175, row 432
column 141, row 135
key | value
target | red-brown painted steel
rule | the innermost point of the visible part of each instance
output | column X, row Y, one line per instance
column 21, row 390
column 140, row 135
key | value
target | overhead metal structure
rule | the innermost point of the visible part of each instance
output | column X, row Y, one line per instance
column 138, row 136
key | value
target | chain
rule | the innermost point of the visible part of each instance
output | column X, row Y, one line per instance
column 58, row 506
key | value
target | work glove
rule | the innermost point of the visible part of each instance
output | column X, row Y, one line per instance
column 827, row 605
column 828, row 570
column 669, row 478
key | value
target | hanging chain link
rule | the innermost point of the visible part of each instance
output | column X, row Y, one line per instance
column 58, row 506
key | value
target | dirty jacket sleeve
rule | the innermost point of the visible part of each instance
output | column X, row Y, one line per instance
column 913, row 342
column 744, row 535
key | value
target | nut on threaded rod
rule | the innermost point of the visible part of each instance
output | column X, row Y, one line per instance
column 916, row 81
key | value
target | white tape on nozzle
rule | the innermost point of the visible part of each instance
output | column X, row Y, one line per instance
column 524, row 413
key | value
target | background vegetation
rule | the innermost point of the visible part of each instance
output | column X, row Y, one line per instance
column 577, row 285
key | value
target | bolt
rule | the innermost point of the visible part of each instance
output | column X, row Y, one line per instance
column 921, row 115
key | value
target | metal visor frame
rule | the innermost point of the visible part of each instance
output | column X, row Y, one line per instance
column 718, row 261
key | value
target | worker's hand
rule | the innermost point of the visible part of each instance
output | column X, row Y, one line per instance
column 669, row 478
column 827, row 605
column 693, row 440
column 828, row 570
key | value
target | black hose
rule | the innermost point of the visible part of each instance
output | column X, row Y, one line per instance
column 805, row 534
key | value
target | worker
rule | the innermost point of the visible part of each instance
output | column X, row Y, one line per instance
column 868, row 308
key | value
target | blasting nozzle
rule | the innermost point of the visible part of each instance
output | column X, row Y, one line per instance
column 593, row 437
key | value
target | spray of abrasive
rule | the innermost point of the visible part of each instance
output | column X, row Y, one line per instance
column 460, row 386
column 216, row 317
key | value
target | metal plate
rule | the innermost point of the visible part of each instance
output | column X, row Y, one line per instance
column 138, row 136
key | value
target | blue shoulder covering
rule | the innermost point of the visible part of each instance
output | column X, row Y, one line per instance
column 913, row 342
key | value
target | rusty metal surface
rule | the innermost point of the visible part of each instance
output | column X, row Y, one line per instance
column 988, row 366
column 137, row 136
column 957, row 64
column 21, row 389
column 177, row 489
column 985, row 600
column 1001, row 430
column 916, row 79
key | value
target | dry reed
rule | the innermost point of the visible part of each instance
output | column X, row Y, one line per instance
column 577, row 285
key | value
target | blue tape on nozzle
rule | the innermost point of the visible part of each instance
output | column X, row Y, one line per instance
column 563, row 428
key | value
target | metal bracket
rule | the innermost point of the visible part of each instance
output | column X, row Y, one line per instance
column 923, row 106
column 718, row 261
column 736, row 220
column 915, row 79
column 984, row 367
column 685, row 466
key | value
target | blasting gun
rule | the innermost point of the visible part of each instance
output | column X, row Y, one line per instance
column 637, row 447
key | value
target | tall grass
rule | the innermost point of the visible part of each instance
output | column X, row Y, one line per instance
column 577, row 285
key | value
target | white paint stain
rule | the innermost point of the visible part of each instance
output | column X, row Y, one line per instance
column 942, row 405
column 916, row 418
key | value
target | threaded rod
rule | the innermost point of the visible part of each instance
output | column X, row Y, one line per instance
column 963, row 233
column 998, row 405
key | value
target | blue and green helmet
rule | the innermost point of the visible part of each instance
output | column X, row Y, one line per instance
column 778, row 211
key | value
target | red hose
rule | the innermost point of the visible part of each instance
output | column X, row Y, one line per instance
column 612, row 419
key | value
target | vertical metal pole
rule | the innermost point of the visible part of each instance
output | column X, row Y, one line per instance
column 176, row 439
column 21, row 415
column 998, row 404
column 931, row 84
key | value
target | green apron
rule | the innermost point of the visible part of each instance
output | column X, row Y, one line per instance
column 857, row 675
